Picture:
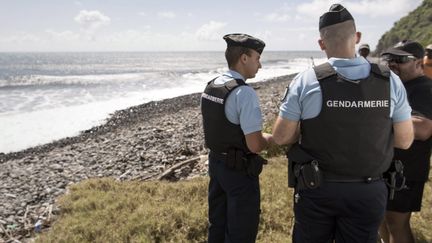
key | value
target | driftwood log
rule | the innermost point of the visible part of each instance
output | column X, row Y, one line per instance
column 170, row 170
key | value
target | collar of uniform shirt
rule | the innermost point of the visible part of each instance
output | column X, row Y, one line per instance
column 353, row 68
column 227, row 76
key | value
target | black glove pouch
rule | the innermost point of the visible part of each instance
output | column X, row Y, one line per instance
column 308, row 175
column 303, row 171
column 251, row 164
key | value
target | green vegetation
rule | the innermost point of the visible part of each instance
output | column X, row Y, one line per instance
column 105, row 210
column 415, row 26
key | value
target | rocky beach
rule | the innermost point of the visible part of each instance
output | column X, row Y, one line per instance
column 142, row 143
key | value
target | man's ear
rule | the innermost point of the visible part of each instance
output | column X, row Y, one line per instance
column 321, row 44
column 358, row 37
column 243, row 58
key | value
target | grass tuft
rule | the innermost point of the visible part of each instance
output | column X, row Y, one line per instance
column 105, row 210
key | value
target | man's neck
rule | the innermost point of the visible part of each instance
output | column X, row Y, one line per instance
column 240, row 71
column 341, row 54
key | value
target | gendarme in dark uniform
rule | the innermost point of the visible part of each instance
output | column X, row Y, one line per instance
column 232, row 127
column 347, row 109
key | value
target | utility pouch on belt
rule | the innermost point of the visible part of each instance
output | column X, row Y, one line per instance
column 255, row 165
column 303, row 169
column 251, row 163
column 308, row 175
column 394, row 178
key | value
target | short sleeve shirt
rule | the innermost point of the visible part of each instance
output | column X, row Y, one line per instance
column 242, row 105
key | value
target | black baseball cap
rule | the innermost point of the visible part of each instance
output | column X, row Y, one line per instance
column 406, row 48
column 244, row 40
column 336, row 14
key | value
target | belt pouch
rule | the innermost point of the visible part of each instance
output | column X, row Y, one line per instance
column 308, row 175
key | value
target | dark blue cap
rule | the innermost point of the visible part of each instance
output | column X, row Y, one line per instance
column 244, row 40
column 336, row 14
column 406, row 48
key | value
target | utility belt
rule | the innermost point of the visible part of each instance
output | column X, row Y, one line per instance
column 236, row 159
column 304, row 172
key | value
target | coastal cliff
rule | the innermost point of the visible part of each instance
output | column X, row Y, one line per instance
column 415, row 26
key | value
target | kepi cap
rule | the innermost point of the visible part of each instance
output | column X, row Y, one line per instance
column 406, row 48
column 336, row 14
column 364, row 46
column 244, row 40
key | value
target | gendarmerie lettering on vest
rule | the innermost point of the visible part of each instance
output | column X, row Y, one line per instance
column 212, row 98
column 357, row 104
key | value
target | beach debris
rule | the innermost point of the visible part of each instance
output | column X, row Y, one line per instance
column 170, row 170
column 158, row 140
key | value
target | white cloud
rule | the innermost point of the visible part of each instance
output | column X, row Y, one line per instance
column 277, row 17
column 21, row 38
column 371, row 8
column 381, row 8
column 64, row 35
column 314, row 9
column 142, row 13
column 127, row 36
column 92, row 20
column 210, row 31
column 283, row 14
column 266, row 35
column 166, row 15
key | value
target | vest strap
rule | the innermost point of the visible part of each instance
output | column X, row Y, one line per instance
column 324, row 71
column 380, row 70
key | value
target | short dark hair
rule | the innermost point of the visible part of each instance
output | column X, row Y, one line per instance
column 233, row 54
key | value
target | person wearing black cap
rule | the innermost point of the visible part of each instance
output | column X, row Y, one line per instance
column 351, row 113
column 232, row 130
column 406, row 60
column 364, row 50
column 427, row 61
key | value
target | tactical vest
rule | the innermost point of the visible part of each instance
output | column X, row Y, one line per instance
column 219, row 133
column 352, row 135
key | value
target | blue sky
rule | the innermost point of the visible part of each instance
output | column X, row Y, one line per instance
column 186, row 25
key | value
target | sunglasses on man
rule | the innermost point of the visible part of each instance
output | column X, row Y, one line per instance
column 399, row 59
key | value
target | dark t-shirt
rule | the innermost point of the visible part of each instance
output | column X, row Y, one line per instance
column 416, row 159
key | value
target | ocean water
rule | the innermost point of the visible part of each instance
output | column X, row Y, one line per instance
column 48, row 96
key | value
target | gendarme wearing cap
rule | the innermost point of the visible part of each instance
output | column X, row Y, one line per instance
column 244, row 40
column 406, row 48
column 336, row 14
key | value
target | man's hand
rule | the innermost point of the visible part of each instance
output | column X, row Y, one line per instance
column 422, row 128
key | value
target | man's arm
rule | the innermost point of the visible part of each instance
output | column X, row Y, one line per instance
column 285, row 131
column 422, row 128
column 403, row 134
column 257, row 141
